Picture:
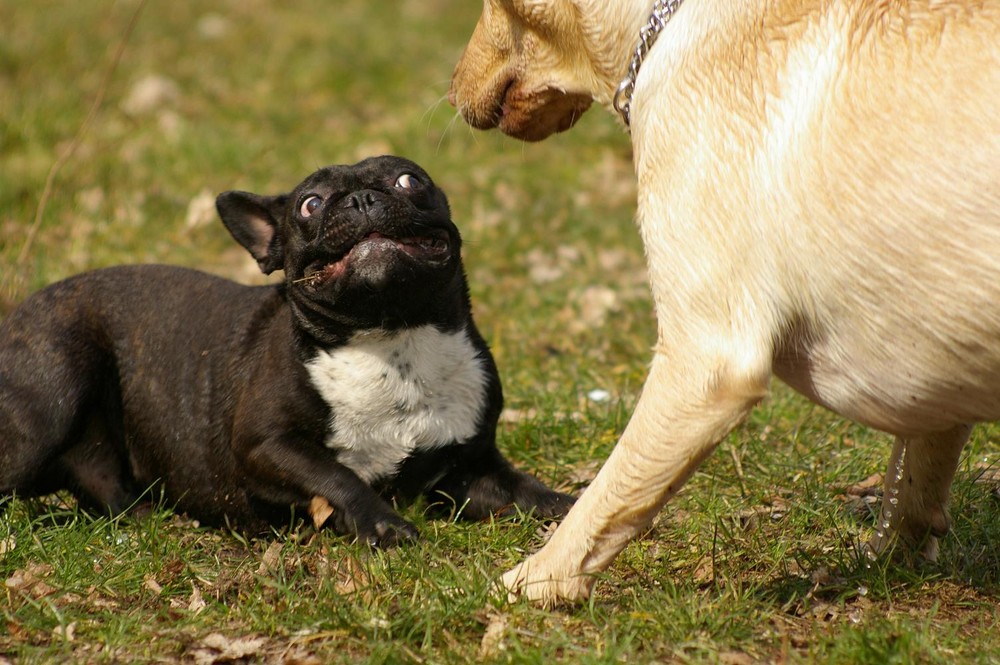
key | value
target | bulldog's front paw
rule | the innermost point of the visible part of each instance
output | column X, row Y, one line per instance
column 378, row 528
column 390, row 531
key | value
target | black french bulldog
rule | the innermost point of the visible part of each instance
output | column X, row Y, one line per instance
column 360, row 379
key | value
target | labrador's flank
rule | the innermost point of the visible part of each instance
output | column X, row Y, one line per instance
column 819, row 197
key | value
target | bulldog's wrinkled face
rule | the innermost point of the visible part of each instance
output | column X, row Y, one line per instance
column 371, row 242
column 367, row 225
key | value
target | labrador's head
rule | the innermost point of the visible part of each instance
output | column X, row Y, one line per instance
column 533, row 67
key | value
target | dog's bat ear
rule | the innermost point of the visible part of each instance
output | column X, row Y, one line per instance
column 253, row 220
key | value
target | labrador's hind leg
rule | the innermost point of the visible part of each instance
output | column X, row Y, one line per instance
column 916, row 489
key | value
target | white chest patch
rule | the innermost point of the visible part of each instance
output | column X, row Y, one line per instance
column 395, row 394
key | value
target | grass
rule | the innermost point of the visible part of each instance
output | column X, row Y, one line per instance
column 756, row 560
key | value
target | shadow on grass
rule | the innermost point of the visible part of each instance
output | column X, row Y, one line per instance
column 969, row 559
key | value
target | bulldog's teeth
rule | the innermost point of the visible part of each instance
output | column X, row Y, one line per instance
column 425, row 242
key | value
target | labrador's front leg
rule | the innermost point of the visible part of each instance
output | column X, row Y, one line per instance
column 685, row 409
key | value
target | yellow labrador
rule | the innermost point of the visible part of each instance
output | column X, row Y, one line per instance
column 819, row 197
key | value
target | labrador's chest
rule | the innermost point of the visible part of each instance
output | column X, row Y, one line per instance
column 393, row 395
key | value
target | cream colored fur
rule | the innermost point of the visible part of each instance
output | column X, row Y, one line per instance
column 819, row 197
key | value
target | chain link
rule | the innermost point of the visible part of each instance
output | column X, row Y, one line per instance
column 663, row 11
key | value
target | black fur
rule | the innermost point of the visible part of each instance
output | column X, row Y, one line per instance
column 122, row 379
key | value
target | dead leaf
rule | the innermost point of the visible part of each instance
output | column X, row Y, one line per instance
column 150, row 94
column 30, row 580
column 735, row 658
column 65, row 633
column 351, row 577
column 775, row 510
column 870, row 486
column 582, row 474
column 514, row 416
column 300, row 657
column 320, row 510
column 152, row 585
column 271, row 559
column 492, row 642
column 195, row 603
column 590, row 307
column 705, row 572
column 824, row 577
column 200, row 210
column 545, row 531
column 217, row 648
column 988, row 474
column 825, row 612
column 542, row 268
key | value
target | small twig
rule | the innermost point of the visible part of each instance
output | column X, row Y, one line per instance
column 738, row 467
column 74, row 144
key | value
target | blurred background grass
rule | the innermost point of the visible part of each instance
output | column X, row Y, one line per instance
column 255, row 94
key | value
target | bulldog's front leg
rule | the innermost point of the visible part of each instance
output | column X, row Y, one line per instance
column 687, row 406
column 289, row 474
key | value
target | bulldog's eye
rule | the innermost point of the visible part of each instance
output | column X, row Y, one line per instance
column 407, row 181
column 310, row 205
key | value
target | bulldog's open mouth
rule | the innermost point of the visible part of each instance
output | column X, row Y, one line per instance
column 432, row 247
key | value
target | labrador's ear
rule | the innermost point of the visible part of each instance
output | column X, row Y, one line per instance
column 253, row 220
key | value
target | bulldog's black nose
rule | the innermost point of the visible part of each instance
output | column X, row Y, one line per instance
column 362, row 201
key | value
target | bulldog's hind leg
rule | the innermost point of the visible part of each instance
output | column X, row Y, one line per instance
column 916, row 489
column 685, row 409
column 485, row 484
column 37, row 424
column 53, row 419
column 96, row 469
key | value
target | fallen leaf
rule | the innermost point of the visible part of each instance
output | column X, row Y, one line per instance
column 195, row 603
column 492, row 642
column 65, row 633
column 582, row 474
column 514, row 416
column 775, row 510
column 271, row 559
column 870, row 486
column 217, row 648
column 592, row 306
column 705, row 572
column 351, row 577
column 320, row 510
column 988, row 474
column 735, row 658
column 300, row 657
column 30, row 580
column 151, row 584
column 200, row 210
column 150, row 94
column 545, row 531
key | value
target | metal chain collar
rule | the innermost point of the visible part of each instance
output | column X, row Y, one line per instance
column 663, row 11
